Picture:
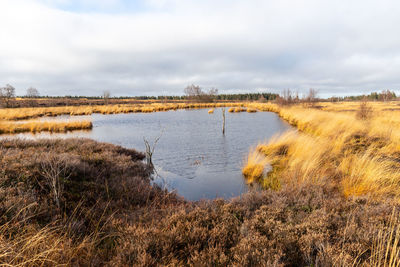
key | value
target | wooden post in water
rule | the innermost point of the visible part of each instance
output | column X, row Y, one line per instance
column 223, row 121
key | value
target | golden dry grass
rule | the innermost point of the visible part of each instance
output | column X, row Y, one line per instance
column 27, row 113
column 254, row 166
column 7, row 127
column 48, row 246
column 9, row 116
column 385, row 250
column 362, row 157
column 251, row 110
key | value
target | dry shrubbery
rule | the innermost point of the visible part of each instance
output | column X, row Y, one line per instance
column 58, row 199
column 307, row 226
column 109, row 214
column 364, row 112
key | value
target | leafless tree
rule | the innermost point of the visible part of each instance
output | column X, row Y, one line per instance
column 387, row 95
column 213, row 92
column 195, row 92
column 32, row 92
column 311, row 97
column 7, row 93
column 287, row 97
column 106, row 96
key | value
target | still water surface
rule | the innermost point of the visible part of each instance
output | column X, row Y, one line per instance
column 192, row 156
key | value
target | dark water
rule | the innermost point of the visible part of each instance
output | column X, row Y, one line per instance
column 192, row 156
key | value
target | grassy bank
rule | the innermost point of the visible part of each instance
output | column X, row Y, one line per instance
column 28, row 113
column 7, row 127
column 358, row 155
column 9, row 117
column 80, row 202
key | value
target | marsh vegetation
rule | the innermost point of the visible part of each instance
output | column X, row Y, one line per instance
column 330, row 196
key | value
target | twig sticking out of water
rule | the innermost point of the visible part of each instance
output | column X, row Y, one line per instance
column 150, row 149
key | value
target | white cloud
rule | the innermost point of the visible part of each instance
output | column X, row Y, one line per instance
column 336, row 46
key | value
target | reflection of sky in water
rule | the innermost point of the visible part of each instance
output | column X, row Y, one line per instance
column 192, row 156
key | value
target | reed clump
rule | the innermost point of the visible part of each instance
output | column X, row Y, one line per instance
column 254, row 166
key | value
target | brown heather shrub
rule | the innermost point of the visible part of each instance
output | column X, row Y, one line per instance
column 308, row 226
column 100, row 182
column 110, row 215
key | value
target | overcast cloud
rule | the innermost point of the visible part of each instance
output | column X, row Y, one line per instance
column 154, row 47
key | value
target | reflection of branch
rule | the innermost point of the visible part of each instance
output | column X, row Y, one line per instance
column 223, row 121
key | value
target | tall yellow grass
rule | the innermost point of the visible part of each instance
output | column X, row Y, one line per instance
column 27, row 113
column 362, row 157
column 385, row 250
column 27, row 244
column 255, row 165
column 7, row 116
column 39, row 126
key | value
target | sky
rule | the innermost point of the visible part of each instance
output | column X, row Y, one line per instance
column 158, row 47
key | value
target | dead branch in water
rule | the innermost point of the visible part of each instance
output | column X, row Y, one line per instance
column 150, row 148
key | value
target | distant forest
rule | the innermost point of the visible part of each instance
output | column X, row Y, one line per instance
column 249, row 96
column 385, row 95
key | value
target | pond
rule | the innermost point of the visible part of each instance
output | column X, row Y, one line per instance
column 192, row 155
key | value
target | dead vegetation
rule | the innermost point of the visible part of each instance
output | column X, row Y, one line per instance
column 330, row 199
column 7, row 127
column 109, row 214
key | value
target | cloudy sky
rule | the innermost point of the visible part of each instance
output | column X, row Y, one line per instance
column 155, row 47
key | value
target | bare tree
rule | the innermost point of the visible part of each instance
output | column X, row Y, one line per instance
column 387, row 95
column 213, row 92
column 195, row 92
column 106, row 96
column 32, row 92
column 286, row 97
column 7, row 93
column 311, row 97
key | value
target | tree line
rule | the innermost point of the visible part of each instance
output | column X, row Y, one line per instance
column 198, row 94
column 385, row 95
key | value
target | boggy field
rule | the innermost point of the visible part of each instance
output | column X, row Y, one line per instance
column 330, row 199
